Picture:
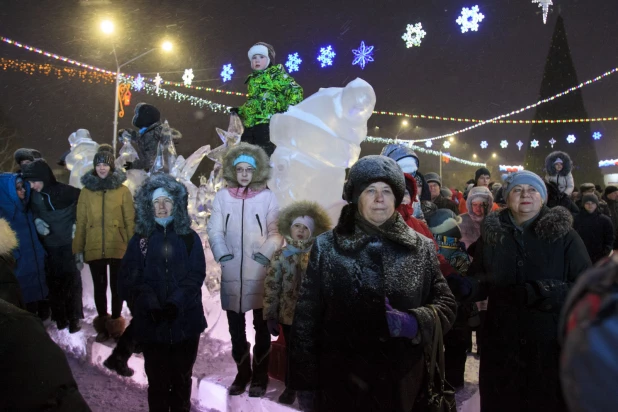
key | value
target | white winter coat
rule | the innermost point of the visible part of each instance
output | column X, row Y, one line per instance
column 566, row 184
column 243, row 228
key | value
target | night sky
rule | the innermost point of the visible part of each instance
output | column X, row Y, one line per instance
column 477, row 74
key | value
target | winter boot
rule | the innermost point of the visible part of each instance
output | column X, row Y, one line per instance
column 287, row 397
column 115, row 327
column 118, row 364
column 243, row 376
column 74, row 326
column 99, row 327
column 259, row 380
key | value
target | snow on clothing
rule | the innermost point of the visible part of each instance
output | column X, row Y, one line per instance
column 289, row 264
column 597, row 232
column 159, row 268
column 146, row 143
column 105, row 217
column 269, row 91
column 564, row 178
column 9, row 285
column 526, row 273
column 30, row 255
column 243, row 226
column 340, row 342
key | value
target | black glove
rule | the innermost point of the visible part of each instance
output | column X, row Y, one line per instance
column 234, row 110
column 156, row 315
column 170, row 312
column 459, row 285
column 524, row 295
column 273, row 327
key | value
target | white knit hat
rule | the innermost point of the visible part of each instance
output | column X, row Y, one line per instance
column 307, row 221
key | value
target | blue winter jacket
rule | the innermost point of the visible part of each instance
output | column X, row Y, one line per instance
column 157, row 270
column 30, row 255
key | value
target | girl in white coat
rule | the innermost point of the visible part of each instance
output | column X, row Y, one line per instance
column 243, row 236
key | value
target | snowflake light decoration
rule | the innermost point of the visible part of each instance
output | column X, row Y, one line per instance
column 293, row 63
column 519, row 144
column 326, row 56
column 544, row 4
column 138, row 84
column 414, row 35
column 597, row 135
column 227, row 72
column 470, row 19
column 571, row 138
column 552, row 142
column 504, row 144
column 446, row 144
column 484, row 144
column 362, row 55
column 428, row 143
column 158, row 80
column 188, row 77
column 534, row 144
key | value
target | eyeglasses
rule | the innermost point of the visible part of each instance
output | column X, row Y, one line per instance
column 248, row 170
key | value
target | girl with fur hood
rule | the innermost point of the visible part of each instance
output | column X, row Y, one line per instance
column 299, row 223
column 558, row 166
column 243, row 236
column 104, row 225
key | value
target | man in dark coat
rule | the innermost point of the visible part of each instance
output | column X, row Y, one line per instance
column 595, row 229
column 587, row 189
column 434, row 181
column 557, row 198
column 611, row 197
column 54, row 206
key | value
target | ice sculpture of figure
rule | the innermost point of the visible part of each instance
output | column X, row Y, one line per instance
column 79, row 159
column 316, row 141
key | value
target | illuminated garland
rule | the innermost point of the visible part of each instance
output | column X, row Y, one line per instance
column 501, row 121
column 85, row 75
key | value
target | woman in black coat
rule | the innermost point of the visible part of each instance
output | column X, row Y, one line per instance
column 363, row 317
column 526, row 260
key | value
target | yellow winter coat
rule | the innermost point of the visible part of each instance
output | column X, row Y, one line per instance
column 105, row 217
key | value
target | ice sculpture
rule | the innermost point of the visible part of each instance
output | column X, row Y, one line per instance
column 316, row 141
column 79, row 159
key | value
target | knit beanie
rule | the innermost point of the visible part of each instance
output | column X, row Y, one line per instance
column 38, row 171
column 444, row 223
column 308, row 221
column 371, row 169
column 525, row 177
column 105, row 155
column 265, row 50
column 590, row 198
column 480, row 172
column 446, row 193
column 145, row 115
column 433, row 177
column 610, row 189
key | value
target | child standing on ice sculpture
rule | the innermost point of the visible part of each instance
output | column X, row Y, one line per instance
column 300, row 223
column 243, row 237
column 270, row 90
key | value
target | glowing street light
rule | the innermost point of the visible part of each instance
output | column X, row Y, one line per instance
column 167, row 46
column 474, row 155
column 451, row 139
column 494, row 155
column 107, row 26
column 404, row 122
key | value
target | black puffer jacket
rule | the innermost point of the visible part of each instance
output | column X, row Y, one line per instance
column 340, row 338
column 597, row 232
column 526, row 275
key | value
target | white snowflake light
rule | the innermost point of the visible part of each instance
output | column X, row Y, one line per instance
column 446, row 144
column 326, row 56
column 470, row 19
column 597, row 135
column 571, row 138
column 504, row 144
column 138, row 84
column 227, row 72
column 188, row 77
column 362, row 55
column 428, row 143
column 484, row 144
column 414, row 35
column 544, row 4
column 534, row 143
column 293, row 63
column 158, row 80
column 519, row 144
column 552, row 142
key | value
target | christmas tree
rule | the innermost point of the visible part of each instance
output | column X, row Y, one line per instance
column 560, row 75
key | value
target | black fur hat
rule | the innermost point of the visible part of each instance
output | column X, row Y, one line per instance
column 145, row 115
column 374, row 168
column 105, row 154
column 26, row 154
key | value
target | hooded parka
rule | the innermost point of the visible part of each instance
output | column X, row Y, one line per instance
column 564, row 178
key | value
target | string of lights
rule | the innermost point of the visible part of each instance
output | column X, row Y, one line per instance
column 501, row 121
column 85, row 75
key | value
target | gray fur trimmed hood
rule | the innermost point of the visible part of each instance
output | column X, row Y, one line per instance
column 262, row 171
column 566, row 163
column 303, row 208
column 144, row 216
column 8, row 239
column 549, row 226
column 398, row 152
column 94, row 183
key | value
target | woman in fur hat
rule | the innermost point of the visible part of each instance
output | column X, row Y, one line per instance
column 104, row 226
column 299, row 223
column 479, row 203
column 243, row 236
column 368, row 304
column 270, row 90
column 558, row 166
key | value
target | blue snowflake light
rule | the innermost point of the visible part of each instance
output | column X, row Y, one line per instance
column 326, row 56
column 138, row 83
column 227, row 72
column 504, row 144
column 470, row 19
column 597, row 135
column 362, row 55
column 571, row 138
column 484, row 144
column 293, row 63
column 428, row 143
column 534, row 144
column 552, row 142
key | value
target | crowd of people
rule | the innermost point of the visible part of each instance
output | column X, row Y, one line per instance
column 363, row 303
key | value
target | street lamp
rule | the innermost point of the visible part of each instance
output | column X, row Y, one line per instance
column 108, row 28
column 404, row 122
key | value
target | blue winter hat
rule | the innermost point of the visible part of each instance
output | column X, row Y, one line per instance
column 243, row 158
column 525, row 177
